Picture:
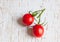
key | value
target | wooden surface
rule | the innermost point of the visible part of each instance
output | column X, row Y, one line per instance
column 12, row 10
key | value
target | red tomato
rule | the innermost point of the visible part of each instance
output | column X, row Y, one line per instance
column 28, row 19
column 38, row 30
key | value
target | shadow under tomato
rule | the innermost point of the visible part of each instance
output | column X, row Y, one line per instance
column 20, row 22
column 29, row 32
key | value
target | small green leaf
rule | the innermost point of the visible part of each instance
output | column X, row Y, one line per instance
column 35, row 12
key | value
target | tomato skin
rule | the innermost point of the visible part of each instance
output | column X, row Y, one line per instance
column 28, row 19
column 38, row 30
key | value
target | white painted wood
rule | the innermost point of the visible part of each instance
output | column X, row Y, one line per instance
column 12, row 10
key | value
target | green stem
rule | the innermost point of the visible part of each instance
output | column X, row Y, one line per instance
column 39, row 21
column 40, row 15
